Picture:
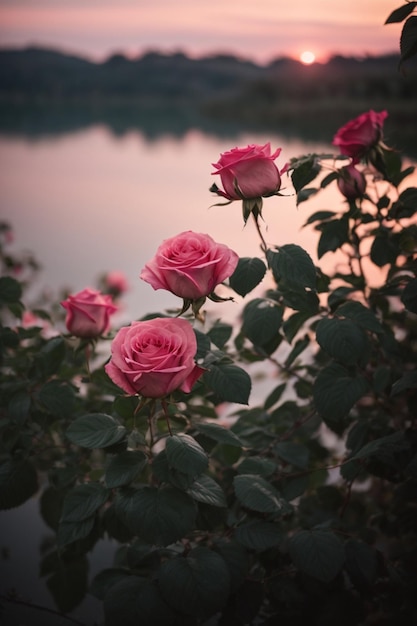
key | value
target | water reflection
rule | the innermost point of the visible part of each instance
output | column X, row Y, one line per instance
column 90, row 202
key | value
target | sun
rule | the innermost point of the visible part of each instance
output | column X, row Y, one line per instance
column 307, row 57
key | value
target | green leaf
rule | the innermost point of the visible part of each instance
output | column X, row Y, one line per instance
column 259, row 536
column 95, row 430
column 83, row 501
column 298, row 349
column 257, row 465
column 361, row 562
column 203, row 344
column 274, row 396
column 186, row 455
column 124, row 467
column 247, row 275
column 50, row 357
column 18, row 482
column 58, row 398
column 255, row 493
column 408, row 40
column 198, row 584
column 135, row 600
column 405, row 205
column 19, row 407
column 407, row 381
column 409, row 296
column 220, row 334
column 261, row 321
column 342, row 339
column 319, row 216
column 318, row 553
column 334, row 234
column 10, row 290
column 335, row 391
column 236, row 559
column 384, row 251
column 383, row 446
column 160, row 516
column 305, row 170
column 398, row 15
column 293, row 267
column 360, row 314
column 293, row 453
column 292, row 324
column 165, row 473
column 105, row 579
column 205, row 489
column 66, row 580
column 68, row 532
column 305, row 301
column 305, row 194
column 219, row 433
column 229, row 382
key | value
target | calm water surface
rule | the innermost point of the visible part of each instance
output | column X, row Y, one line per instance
column 89, row 202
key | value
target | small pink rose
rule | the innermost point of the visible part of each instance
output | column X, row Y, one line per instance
column 155, row 357
column 88, row 313
column 351, row 182
column 190, row 265
column 116, row 282
column 358, row 136
column 249, row 173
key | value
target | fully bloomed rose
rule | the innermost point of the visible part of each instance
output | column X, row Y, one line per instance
column 249, row 173
column 88, row 313
column 154, row 358
column 351, row 182
column 358, row 136
column 190, row 265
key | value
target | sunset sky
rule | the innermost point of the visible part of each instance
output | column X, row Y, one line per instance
column 257, row 29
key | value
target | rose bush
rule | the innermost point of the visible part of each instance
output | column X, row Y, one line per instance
column 351, row 182
column 190, row 265
column 88, row 313
column 248, row 173
column 359, row 135
column 155, row 357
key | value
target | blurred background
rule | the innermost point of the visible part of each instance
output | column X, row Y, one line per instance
column 111, row 115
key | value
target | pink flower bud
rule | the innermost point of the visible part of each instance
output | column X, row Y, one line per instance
column 88, row 313
column 351, row 182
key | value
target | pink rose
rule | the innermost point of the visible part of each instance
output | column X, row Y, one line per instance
column 116, row 282
column 249, row 173
column 154, row 357
column 88, row 313
column 190, row 265
column 351, row 182
column 359, row 135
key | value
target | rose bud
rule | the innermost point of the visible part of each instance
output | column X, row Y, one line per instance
column 88, row 313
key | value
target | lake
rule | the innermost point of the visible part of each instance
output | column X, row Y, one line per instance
column 90, row 201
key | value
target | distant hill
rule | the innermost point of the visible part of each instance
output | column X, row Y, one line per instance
column 39, row 88
column 35, row 72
